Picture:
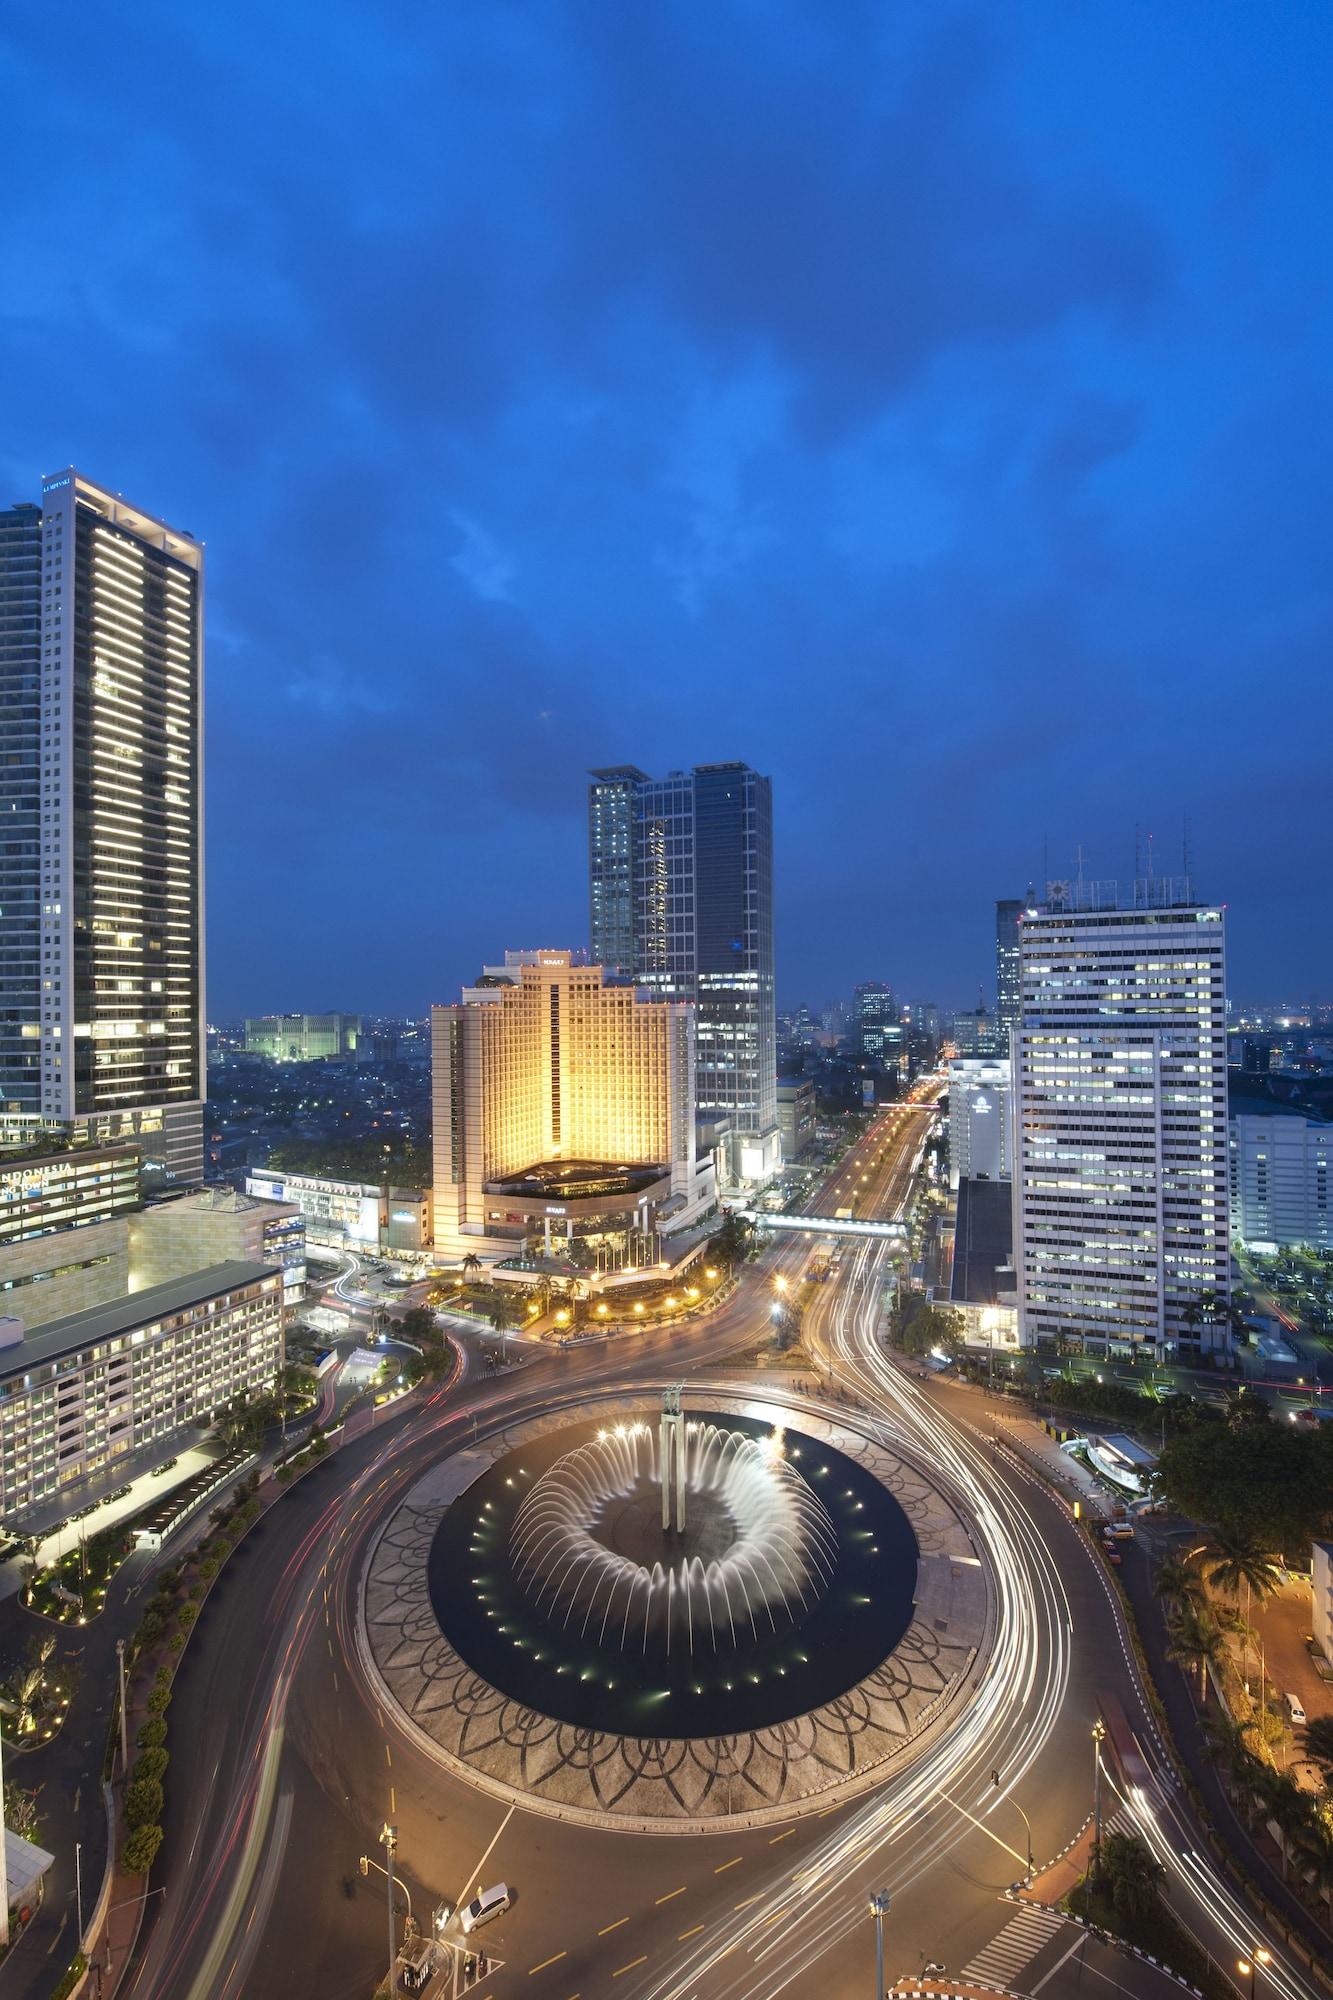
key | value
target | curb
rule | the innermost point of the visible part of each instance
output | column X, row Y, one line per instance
column 1108, row 1937
column 852, row 1786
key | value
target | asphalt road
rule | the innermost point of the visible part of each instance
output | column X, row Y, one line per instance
column 283, row 1769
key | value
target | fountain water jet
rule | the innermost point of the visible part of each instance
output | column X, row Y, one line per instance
column 760, row 1547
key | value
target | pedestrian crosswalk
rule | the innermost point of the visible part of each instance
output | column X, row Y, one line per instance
column 1015, row 1947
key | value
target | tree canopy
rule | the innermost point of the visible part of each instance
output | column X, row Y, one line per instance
column 1273, row 1482
column 375, row 1160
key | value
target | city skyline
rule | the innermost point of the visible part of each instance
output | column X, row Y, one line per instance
column 966, row 564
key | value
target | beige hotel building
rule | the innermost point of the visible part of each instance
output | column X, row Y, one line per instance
column 564, row 1119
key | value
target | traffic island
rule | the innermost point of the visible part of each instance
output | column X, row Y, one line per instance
column 557, row 1711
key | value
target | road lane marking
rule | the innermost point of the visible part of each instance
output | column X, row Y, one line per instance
column 689, row 1934
column 729, row 1864
column 630, row 1967
column 672, row 1894
column 606, row 1932
column 746, row 1904
column 782, row 1836
column 547, row 1961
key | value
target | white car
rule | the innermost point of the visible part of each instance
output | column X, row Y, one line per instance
column 490, row 1903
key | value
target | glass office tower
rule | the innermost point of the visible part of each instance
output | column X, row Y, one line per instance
column 1008, row 977
column 681, row 900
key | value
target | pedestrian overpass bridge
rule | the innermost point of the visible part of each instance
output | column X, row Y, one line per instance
column 825, row 1225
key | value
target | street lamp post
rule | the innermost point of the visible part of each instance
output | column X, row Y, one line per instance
column 1259, row 1956
column 124, row 1720
column 1027, row 1825
column 389, row 1837
column 78, row 1891
column 879, row 1909
column 1098, row 1735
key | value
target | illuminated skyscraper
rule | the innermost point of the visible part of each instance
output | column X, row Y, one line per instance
column 1008, row 983
column 101, row 667
column 1120, row 1115
column 681, row 901
column 563, row 1117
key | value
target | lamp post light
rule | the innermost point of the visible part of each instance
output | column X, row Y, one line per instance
column 1098, row 1736
column 1259, row 1956
column 1027, row 1824
column 389, row 1838
column 879, row 1909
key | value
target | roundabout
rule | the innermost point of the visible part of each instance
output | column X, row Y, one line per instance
column 678, row 1620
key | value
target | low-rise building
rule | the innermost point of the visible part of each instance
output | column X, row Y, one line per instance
column 83, row 1395
column 217, row 1226
column 1281, row 1177
column 64, row 1235
column 361, row 1216
column 982, row 1283
column 796, row 1115
column 302, row 1037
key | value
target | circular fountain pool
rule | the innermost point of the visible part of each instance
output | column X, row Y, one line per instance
column 682, row 1579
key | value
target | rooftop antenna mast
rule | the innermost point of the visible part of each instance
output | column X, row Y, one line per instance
column 1186, row 858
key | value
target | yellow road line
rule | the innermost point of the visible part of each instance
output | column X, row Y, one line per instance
column 547, row 1961
column 672, row 1894
column 729, row 1864
column 681, row 1937
column 782, row 1836
column 746, row 1904
column 630, row 1967
column 607, row 1930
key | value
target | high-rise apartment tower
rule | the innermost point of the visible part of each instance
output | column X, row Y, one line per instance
column 1120, row 1118
column 101, row 880
column 681, row 901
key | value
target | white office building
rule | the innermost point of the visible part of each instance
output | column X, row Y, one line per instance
column 1121, row 1209
column 1281, row 1168
column 980, row 1109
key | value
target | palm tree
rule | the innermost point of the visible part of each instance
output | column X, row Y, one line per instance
column 1178, row 1587
column 470, row 1264
column 1236, row 1557
column 25, row 1684
column 1195, row 1644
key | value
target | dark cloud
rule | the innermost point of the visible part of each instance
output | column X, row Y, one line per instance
column 841, row 387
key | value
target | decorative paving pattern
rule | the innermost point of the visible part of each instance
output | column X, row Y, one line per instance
column 672, row 1783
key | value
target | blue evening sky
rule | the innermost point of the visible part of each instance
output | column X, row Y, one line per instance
column 929, row 405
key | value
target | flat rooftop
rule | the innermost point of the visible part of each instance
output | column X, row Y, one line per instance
column 97, row 1323
column 983, row 1243
column 578, row 1180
